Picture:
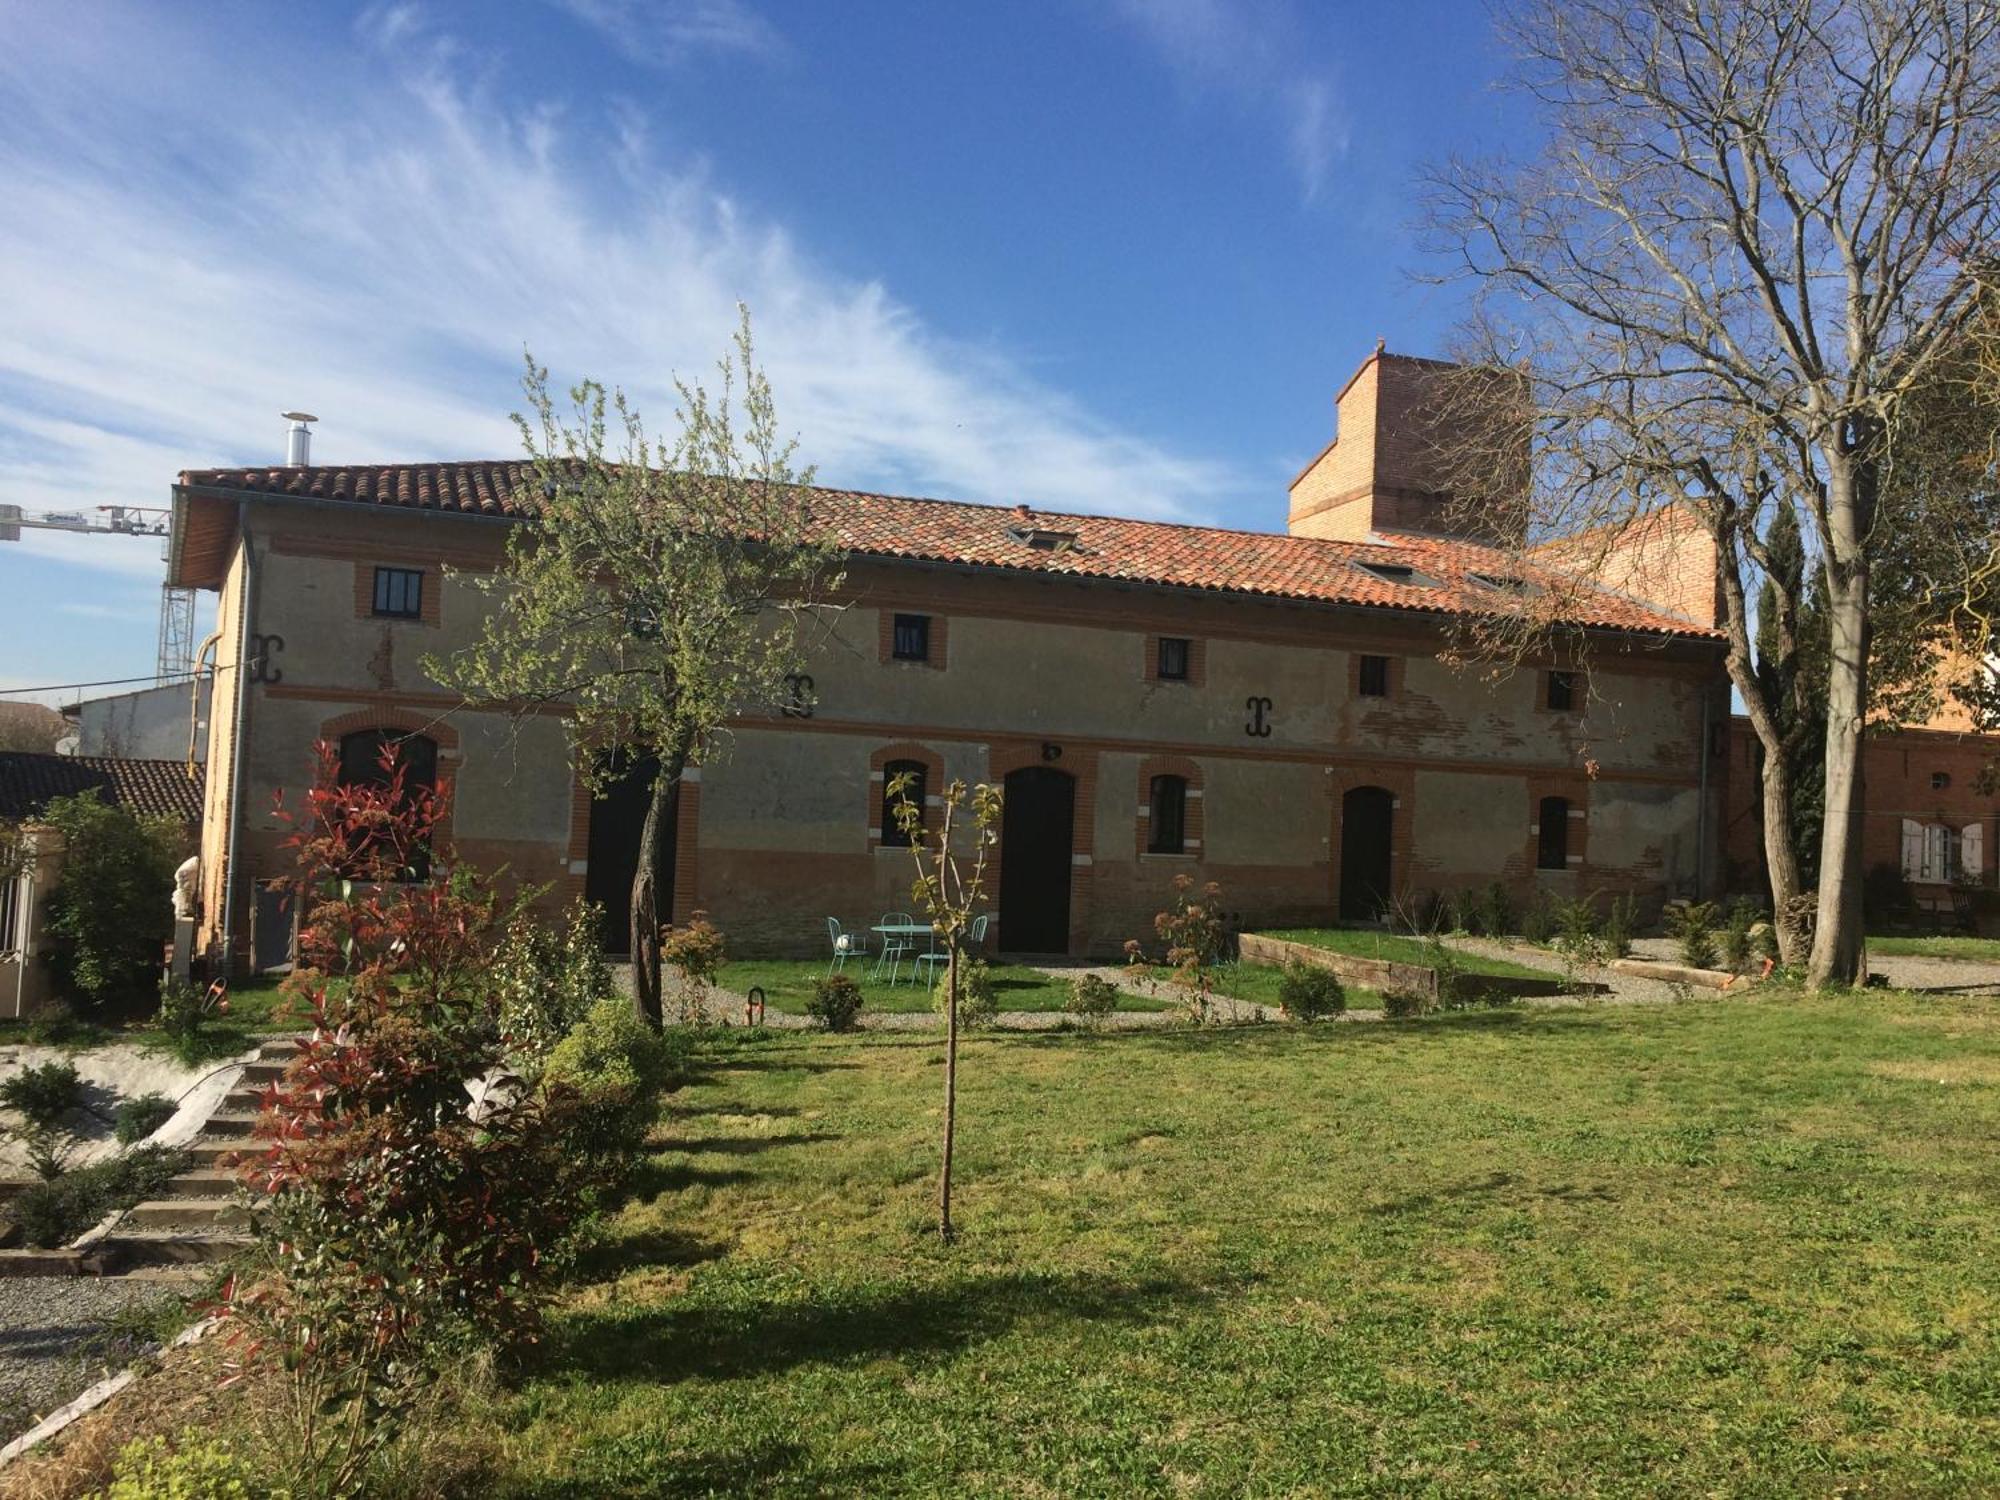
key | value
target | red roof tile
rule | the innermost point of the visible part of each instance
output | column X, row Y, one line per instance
column 151, row 788
column 1205, row 558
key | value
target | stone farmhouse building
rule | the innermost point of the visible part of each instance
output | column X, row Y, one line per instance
column 1265, row 710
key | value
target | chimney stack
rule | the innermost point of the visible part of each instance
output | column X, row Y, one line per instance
column 298, row 441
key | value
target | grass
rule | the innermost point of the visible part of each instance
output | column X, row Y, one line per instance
column 1974, row 949
column 787, row 985
column 1737, row 1247
column 254, row 1010
column 1256, row 984
column 1395, row 948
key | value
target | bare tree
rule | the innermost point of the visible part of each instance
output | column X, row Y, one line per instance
column 1744, row 244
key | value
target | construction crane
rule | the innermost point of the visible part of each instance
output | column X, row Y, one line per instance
column 174, row 660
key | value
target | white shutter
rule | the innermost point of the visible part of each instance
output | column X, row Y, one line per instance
column 1913, row 849
column 1969, row 839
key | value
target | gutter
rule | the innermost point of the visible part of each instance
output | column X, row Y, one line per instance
column 236, row 739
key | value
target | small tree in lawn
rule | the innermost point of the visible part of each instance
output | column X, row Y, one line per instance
column 949, row 892
column 660, row 590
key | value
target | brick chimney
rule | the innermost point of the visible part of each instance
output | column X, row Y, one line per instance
column 1384, row 470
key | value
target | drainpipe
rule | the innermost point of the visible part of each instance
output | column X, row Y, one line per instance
column 194, row 697
column 1701, row 805
column 236, row 740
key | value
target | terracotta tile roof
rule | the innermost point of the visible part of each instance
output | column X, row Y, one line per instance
column 1207, row 558
column 151, row 788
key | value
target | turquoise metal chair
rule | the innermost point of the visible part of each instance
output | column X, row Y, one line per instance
column 845, row 945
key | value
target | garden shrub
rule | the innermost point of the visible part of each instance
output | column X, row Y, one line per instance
column 1538, row 920
column 194, row 1469
column 696, row 954
column 1307, row 992
column 1092, row 997
column 1621, row 921
column 108, row 914
column 1577, row 935
column 1193, row 934
column 546, row 979
column 57, row 1211
column 1493, row 911
column 43, row 1094
column 138, row 1118
column 978, row 1000
column 1404, row 1004
column 605, row 1079
column 835, row 1001
column 1738, row 946
column 1692, row 925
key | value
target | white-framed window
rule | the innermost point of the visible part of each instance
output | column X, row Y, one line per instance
column 1939, row 854
column 13, row 892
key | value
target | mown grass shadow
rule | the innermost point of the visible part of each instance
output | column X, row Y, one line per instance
column 643, row 1465
column 742, row 1145
column 678, row 1339
column 612, row 1256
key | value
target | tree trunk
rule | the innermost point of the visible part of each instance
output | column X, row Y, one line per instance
column 645, row 906
column 1781, row 855
column 1840, row 938
column 950, row 1088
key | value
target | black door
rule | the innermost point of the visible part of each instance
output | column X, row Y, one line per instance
column 1366, row 814
column 617, row 817
column 1035, row 829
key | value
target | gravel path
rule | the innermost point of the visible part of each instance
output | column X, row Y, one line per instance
column 49, row 1345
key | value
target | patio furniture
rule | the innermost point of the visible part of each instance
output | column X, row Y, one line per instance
column 899, row 941
column 845, row 944
column 975, row 939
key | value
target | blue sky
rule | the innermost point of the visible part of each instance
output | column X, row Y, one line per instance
column 1104, row 255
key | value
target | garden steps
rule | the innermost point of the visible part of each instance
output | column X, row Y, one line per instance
column 185, row 1213
column 124, row 1248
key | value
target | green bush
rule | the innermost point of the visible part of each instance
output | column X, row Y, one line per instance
column 196, row 1469
column 978, row 1001
column 43, row 1094
column 1620, row 923
column 1307, row 992
column 1403, row 1005
column 1692, row 925
column 138, row 1118
column 1577, row 935
column 56, row 1212
column 1738, row 945
column 1538, row 920
column 108, row 915
column 835, row 1001
column 1092, row 997
column 605, row 1079
column 1492, row 911
column 546, row 980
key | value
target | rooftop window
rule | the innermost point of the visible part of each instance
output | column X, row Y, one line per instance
column 1401, row 573
column 1042, row 538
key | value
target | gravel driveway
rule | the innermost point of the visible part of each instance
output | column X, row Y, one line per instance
column 51, row 1346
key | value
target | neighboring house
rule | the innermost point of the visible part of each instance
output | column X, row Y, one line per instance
column 1268, row 711
column 169, row 722
column 31, row 859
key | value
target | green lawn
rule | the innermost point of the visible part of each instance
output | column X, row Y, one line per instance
column 1367, row 942
column 1981, row 950
column 788, row 985
column 1722, row 1247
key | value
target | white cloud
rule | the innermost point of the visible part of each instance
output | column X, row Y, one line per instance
column 189, row 273
column 1253, row 54
column 665, row 33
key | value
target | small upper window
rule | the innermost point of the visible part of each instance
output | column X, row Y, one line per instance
column 1552, row 850
column 399, row 593
column 913, row 638
column 1562, row 690
column 1166, row 816
column 1173, row 658
column 1373, row 677
column 1940, row 780
column 894, row 836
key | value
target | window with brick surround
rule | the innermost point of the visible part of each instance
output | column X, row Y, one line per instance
column 1172, row 665
column 893, row 834
column 1373, row 679
column 912, row 638
column 1166, row 816
column 1552, row 848
column 370, row 757
column 1562, row 691
column 399, row 593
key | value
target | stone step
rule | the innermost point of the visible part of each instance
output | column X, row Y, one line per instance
column 163, row 1247
column 184, row 1213
column 212, row 1182
column 239, row 1101
column 215, row 1155
column 257, row 1074
column 230, row 1123
column 279, row 1048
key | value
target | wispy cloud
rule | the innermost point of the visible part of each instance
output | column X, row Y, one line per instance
column 665, row 33
column 1252, row 52
column 383, row 260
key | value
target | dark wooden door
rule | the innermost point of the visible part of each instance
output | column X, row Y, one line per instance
column 1367, row 814
column 617, row 818
column 1035, row 833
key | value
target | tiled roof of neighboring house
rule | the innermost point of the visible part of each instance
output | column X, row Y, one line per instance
column 151, row 788
column 1208, row 558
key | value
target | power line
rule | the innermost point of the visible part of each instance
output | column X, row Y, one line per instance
column 64, row 687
